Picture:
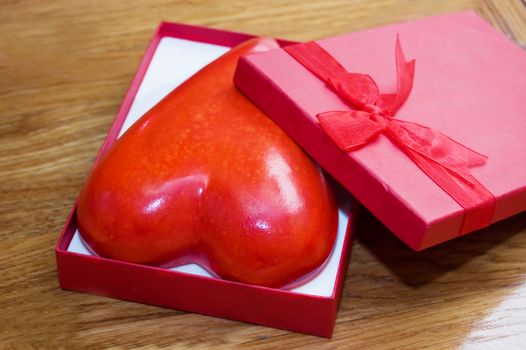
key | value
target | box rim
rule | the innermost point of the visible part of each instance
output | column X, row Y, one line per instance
column 227, row 38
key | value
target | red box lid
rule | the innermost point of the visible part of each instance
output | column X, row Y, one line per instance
column 469, row 84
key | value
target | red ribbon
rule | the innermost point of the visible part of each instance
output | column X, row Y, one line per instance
column 444, row 160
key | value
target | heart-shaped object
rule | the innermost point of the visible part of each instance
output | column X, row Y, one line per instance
column 206, row 177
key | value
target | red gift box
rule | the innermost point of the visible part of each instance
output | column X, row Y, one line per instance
column 174, row 54
column 469, row 84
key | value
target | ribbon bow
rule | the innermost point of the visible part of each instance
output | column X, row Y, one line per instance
column 441, row 158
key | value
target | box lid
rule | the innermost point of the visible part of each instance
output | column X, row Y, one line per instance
column 469, row 84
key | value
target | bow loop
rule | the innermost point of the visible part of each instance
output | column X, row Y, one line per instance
column 358, row 89
column 361, row 91
column 350, row 130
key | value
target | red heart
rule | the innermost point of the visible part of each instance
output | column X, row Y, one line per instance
column 206, row 177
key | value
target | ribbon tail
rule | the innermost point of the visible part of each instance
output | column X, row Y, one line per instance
column 405, row 73
column 436, row 145
column 447, row 163
column 470, row 194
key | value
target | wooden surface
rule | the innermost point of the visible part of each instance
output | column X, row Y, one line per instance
column 64, row 69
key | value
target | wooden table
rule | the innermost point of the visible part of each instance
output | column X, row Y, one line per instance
column 64, row 69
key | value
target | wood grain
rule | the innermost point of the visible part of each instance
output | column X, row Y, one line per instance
column 64, row 69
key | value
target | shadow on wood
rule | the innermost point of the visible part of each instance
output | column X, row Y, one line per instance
column 416, row 269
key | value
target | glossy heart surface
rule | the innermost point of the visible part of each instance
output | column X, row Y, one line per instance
column 206, row 177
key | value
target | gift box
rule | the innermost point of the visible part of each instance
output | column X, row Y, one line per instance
column 174, row 54
column 433, row 145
